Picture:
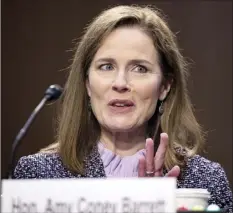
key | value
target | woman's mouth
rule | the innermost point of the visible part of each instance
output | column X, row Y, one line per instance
column 121, row 105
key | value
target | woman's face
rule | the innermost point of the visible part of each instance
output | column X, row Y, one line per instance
column 125, row 81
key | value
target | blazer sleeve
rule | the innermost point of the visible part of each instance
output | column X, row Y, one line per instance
column 220, row 189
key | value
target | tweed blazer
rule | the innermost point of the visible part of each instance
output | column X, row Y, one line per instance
column 198, row 173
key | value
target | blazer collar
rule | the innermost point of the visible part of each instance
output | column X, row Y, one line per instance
column 93, row 165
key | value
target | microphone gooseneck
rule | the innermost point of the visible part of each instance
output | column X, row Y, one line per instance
column 51, row 94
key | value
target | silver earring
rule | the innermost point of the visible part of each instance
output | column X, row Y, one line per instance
column 161, row 108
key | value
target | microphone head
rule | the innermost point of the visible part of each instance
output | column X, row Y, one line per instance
column 53, row 92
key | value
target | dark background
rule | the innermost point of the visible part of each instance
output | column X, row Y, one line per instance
column 36, row 41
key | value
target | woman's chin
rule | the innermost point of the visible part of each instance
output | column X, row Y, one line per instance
column 121, row 126
column 120, row 123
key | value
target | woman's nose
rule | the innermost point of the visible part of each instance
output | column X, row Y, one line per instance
column 120, row 83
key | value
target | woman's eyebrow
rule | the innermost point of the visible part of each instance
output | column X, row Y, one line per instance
column 107, row 59
column 133, row 61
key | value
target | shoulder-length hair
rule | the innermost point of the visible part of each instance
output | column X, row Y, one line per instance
column 78, row 130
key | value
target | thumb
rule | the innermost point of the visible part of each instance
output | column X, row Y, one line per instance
column 174, row 172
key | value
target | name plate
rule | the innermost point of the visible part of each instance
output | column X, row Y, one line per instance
column 112, row 195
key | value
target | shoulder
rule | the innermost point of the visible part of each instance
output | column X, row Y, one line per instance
column 203, row 173
column 198, row 163
column 40, row 165
column 202, row 170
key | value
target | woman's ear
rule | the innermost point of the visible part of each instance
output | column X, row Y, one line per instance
column 165, row 89
column 88, row 87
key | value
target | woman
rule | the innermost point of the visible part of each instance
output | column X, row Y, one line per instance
column 126, row 93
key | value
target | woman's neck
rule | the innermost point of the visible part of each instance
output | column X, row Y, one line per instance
column 123, row 143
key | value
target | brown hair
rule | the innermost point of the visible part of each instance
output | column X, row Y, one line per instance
column 78, row 129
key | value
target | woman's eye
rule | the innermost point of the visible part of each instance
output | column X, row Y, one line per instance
column 140, row 69
column 106, row 67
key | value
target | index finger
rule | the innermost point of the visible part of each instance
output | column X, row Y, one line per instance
column 149, row 155
column 142, row 167
column 160, row 154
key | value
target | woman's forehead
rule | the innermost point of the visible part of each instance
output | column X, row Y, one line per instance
column 127, row 42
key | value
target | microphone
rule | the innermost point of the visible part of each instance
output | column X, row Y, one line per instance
column 51, row 94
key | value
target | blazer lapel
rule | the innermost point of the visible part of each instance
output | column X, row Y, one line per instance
column 94, row 167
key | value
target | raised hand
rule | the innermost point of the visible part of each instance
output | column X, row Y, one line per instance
column 152, row 166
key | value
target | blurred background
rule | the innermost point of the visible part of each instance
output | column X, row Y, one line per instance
column 37, row 37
